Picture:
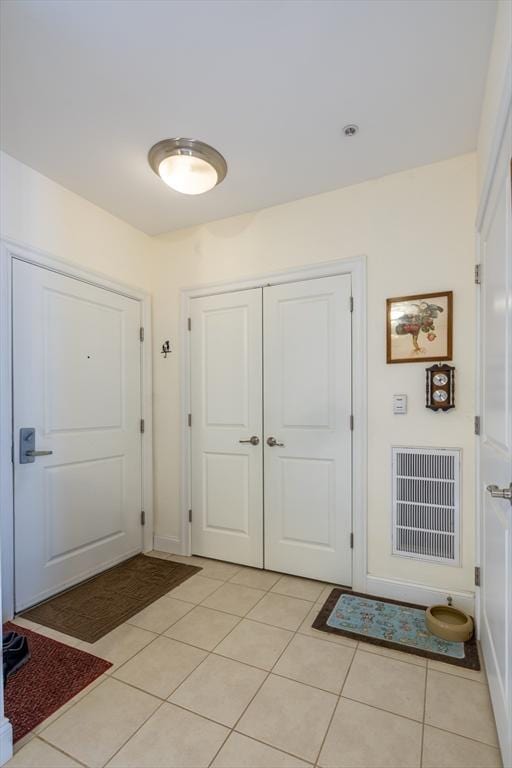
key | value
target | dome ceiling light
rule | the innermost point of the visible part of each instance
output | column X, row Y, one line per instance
column 187, row 165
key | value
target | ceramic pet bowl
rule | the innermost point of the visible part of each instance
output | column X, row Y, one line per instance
column 449, row 623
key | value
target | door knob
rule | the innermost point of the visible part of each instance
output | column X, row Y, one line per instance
column 254, row 440
column 38, row 453
column 272, row 442
column 500, row 493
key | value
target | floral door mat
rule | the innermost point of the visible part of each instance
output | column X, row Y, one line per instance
column 391, row 624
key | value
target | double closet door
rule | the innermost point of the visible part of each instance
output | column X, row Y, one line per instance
column 271, row 434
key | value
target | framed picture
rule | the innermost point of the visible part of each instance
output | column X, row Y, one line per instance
column 419, row 328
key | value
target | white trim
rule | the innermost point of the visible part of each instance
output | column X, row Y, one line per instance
column 8, row 251
column 356, row 267
column 5, row 741
column 409, row 592
column 170, row 544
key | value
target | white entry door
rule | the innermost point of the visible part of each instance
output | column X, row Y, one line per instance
column 226, row 405
column 496, row 446
column 77, row 398
column 307, row 364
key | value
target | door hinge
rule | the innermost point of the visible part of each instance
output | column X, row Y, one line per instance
column 142, row 426
column 141, row 333
column 478, row 274
column 189, row 323
column 190, row 419
column 477, row 576
column 477, row 425
column 190, row 515
column 351, row 420
column 351, row 303
column 351, row 541
column 142, row 518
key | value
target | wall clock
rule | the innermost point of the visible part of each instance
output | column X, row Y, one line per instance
column 440, row 387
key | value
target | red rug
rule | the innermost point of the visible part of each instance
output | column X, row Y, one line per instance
column 54, row 674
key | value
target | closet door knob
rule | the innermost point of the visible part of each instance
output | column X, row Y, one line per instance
column 254, row 440
column 272, row 442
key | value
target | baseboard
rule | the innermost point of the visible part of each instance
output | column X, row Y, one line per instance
column 418, row 593
column 170, row 544
column 5, row 741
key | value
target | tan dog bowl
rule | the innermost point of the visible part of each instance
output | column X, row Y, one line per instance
column 449, row 623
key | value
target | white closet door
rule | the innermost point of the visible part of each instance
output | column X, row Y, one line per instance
column 226, row 406
column 307, row 365
column 76, row 366
column 496, row 445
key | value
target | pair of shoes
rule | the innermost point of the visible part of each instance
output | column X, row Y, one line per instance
column 16, row 653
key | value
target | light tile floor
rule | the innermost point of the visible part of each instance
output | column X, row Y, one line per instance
column 226, row 671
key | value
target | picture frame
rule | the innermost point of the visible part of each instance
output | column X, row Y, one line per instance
column 419, row 328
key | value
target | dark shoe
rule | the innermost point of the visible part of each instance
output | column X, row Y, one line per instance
column 15, row 656
column 8, row 638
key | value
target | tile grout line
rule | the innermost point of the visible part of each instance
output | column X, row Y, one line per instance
column 166, row 700
column 268, row 673
column 62, row 752
column 110, row 676
column 469, row 738
column 209, row 652
column 336, row 705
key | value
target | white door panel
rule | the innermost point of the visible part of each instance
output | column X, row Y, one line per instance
column 307, row 364
column 76, row 369
column 496, row 445
column 226, row 403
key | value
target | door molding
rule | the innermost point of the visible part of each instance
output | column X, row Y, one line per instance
column 10, row 250
column 356, row 267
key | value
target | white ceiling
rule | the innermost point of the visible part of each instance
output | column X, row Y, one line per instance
column 89, row 85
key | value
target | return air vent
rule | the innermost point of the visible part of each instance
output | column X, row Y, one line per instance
column 426, row 494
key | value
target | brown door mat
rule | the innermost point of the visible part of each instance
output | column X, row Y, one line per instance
column 99, row 605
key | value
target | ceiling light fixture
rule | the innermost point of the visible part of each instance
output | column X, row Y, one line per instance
column 187, row 165
column 351, row 129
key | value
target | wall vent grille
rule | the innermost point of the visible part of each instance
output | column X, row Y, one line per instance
column 426, row 495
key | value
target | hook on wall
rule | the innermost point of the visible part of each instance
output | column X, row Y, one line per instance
column 166, row 348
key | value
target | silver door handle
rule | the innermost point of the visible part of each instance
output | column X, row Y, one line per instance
column 254, row 440
column 38, row 453
column 500, row 493
column 272, row 442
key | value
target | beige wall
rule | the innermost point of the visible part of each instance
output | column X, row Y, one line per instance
column 416, row 229
column 37, row 212
column 499, row 70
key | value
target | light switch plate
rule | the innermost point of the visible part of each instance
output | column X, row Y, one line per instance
column 400, row 404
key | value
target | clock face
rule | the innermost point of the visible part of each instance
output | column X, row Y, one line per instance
column 440, row 379
column 439, row 395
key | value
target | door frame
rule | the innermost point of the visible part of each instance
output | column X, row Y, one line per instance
column 356, row 268
column 10, row 250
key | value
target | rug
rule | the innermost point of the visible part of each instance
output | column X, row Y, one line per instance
column 391, row 624
column 54, row 674
column 97, row 606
